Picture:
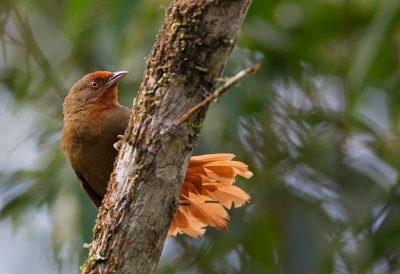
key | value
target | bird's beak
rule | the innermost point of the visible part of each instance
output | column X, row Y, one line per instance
column 115, row 78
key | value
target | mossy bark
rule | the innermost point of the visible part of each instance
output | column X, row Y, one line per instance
column 188, row 57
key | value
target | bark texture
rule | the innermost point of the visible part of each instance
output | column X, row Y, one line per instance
column 188, row 57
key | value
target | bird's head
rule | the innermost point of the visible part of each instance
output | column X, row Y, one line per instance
column 95, row 90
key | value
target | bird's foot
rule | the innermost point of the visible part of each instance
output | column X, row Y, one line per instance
column 117, row 145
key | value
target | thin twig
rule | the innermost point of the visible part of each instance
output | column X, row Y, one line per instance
column 219, row 91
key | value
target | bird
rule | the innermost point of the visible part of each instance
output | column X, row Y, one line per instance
column 94, row 122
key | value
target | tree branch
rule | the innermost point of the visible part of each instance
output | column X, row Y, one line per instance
column 219, row 91
column 191, row 51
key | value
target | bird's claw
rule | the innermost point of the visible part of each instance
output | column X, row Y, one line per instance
column 117, row 145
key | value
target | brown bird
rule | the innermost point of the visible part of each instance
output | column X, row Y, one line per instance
column 93, row 119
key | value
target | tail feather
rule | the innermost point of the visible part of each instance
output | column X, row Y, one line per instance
column 221, row 171
column 226, row 195
column 206, row 158
column 207, row 191
column 205, row 211
column 181, row 223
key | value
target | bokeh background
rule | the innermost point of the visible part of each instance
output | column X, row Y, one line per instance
column 319, row 125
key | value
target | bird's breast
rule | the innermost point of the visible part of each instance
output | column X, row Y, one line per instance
column 88, row 146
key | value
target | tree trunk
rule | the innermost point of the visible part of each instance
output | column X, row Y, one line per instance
column 188, row 57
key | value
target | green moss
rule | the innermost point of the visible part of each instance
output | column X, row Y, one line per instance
column 90, row 260
column 165, row 79
column 194, row 129
column 132, row 183
column 132, row 194
column 184, row 21
column 184, row 36
column 201, row 68
column 139, row 167
column 161, row 80
column 96, row 227
column 174, row 27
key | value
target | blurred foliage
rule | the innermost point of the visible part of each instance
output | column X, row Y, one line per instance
column 318, row 124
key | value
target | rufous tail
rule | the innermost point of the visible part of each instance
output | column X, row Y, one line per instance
column 207, row 192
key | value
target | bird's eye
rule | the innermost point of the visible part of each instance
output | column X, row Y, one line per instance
column 94, row 84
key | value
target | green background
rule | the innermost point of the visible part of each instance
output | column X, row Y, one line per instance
column 318, row 125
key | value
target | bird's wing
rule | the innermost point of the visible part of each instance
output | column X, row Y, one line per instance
column 96, row 198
